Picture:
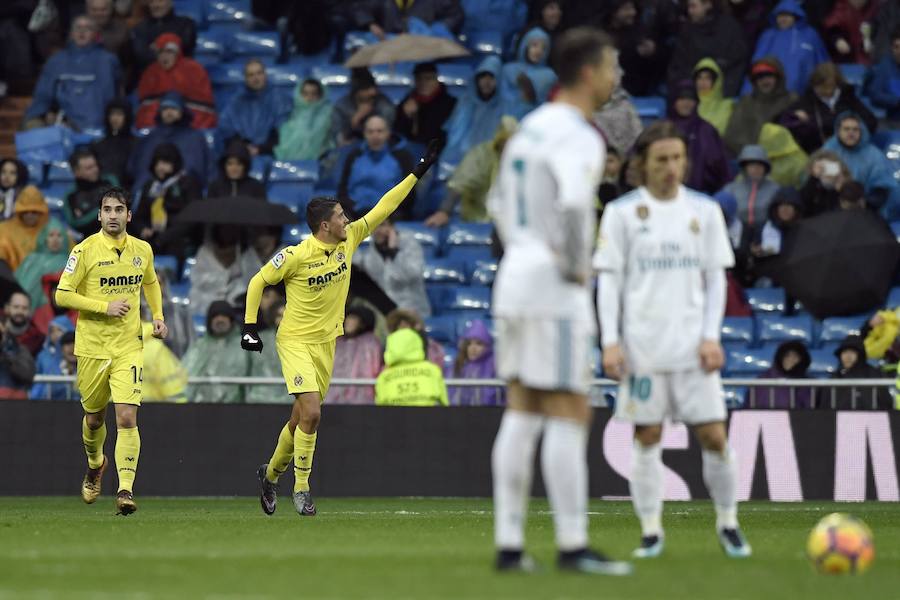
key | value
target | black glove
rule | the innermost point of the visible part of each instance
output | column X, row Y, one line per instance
column 430, row 157
column 250, row 338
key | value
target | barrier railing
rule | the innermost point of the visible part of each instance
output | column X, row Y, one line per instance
column 753, row 400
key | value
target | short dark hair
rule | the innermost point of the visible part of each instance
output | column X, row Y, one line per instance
column 319, row 210
column 80, row 153
column 116, row 193
column 576, row 48
column 254, row 61
column 827, row 73
column 655, row 132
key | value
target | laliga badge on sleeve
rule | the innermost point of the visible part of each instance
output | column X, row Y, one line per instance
column 71, row 263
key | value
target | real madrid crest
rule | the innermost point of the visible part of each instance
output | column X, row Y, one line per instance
column 643, row 212
column 695, row 226
column 298, row 380
column 136, row 261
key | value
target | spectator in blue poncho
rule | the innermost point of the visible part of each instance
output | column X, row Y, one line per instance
column 80, row 79
column 477, row 114
column 868, row 165
column 304, row 136
column 173, row 125
column 375, row 166
column 794, row 42
column 56, row 358
column 884, row 86
column 254, row 114
column 527, row 81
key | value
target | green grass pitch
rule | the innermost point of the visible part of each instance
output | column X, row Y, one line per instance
column 404, row 548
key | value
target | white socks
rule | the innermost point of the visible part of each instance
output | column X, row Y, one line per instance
column 720, row 476
column 646, row 487
column 565, row 470
column 511, row 462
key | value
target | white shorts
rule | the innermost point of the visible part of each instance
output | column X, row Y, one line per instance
column 546, row 354
column 692, row 397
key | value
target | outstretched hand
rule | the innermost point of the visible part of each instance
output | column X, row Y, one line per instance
column 429, row 158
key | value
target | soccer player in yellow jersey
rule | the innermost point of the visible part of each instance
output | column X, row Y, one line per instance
column 102, row 279
column 316, row 275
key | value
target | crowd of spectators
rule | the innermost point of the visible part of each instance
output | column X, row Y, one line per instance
column 775, row 133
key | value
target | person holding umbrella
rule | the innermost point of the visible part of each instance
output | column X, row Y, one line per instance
column 316, row 275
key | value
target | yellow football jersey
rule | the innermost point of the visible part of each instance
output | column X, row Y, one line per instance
column 316, row 279
column 97, row 269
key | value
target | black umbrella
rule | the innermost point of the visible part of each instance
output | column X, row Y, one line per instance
column 839, row 263
column 239, row 210
column 8, row 283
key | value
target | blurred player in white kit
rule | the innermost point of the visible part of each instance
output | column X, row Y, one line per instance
column 662, row 255
column 543, row 204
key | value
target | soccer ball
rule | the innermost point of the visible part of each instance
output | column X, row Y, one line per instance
column 840, row 544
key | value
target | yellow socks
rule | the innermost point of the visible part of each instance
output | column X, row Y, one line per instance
column 284, row 452
column 304, row 447
column 93, row 443
column 128, row 449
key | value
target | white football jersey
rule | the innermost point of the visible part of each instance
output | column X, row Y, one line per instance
column 553, row 162
column 660, row 249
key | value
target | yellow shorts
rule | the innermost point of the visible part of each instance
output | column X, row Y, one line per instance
column 103, row 379
column 306, row 367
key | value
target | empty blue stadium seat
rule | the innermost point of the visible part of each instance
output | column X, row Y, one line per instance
column 835, row 329
column 199, row 322
column 765, row 299
column 455, row 75
column 483, row 272
column 186, row 269
column 259, row 167
column 209, row 50
column 823, row 362
column 180, row 291
column 294, row 170
column 287, row 76
column 485, row 42
column 426, row 236
column 166, row 262
column 735, row 397
column 195, row 9
column 60, row 171
column 55, row 194
column 893, row 300
column 228, row 14
column 441, row 329
column 738, row 329
column 256, row 44
column 884, row 138
column 444, row 270
column 853, row 73
column 650, row 108
column 210, row 136
column 747, row 362
column 294, row 234
column 895, row 227
column 226, row 74
column 469, row 234
column 335, row 78
column 469, row 254
column 293, row 194
column 467, row 298
column 778, row 328
column 450, row 353
column 35, row 172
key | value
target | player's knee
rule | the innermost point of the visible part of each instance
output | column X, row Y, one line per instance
column 309, row 422
column 648, row 435
column 126, row 420
column 94, row 420
column 714, row 442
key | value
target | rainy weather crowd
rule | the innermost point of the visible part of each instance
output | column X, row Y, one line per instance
column 790, row 111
